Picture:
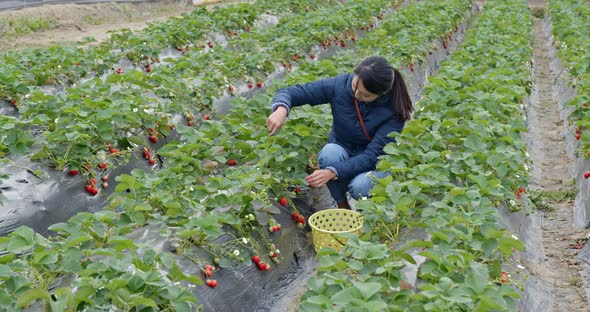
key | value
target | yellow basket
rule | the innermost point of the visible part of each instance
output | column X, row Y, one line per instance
column 327, row 224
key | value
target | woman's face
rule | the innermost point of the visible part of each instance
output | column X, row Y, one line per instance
column 360, row 93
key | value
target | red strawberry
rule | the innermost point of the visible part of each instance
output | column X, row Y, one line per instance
column 504, row 277
column 585, row 104
column 171, row 126
column 151, row 130
column 521, row 189
column 430, row 52
column 119, row 71
column 190, row 124
column 578, row 136
column 353, row 38
column 206, row 117
column 148, row 70
column 210, row 45
column 230, row 88
column 152, row 161
column 297, row 190
column 232, row 162
column 89, row 188
column 208, row 273
column 261, row 265
column 295, row 216
column 74, row 172
column 412, row 66
column 371, row 25
column 250, row 85
column 301, row 219
column 105, row 178
column 180, row 49
column 212, row 283
column 259, row 84
column 154, row 139
column 312, row 56
column 283, row 201
column 587, row 174
column 256, row 259
column 13, row 102
column 94, row 191
column 92, row 181
column 578, row 130
column 102, row 165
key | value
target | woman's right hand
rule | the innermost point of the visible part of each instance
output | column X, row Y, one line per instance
column 276, row 120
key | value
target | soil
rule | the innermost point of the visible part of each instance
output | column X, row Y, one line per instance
column 550, row 164
column 71, row 23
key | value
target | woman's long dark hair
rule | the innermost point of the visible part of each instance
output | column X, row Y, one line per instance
column 379, row 77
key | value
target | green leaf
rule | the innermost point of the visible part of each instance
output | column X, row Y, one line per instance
column 368, row 289
column 477, row 277
column 31, row 295
column 319, row 300
column 21, row 239
column 346, row 295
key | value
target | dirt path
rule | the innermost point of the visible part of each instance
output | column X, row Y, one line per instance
column 549, row 175
column 71, row 23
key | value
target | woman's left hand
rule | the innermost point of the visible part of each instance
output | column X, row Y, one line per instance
column 320, row 177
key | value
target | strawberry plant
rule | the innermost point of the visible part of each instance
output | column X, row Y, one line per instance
column 568, row 17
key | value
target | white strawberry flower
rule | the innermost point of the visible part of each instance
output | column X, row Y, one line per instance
column 236, row 252
column 135, row 110
column 515, row 237
column 520, row 267
column 512, row 202
column 244, row 240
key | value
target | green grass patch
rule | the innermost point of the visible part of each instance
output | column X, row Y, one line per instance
column 545, row 200
column 93, row 20
column 18, row 26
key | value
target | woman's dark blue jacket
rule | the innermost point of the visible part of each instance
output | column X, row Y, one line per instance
column 379, row 117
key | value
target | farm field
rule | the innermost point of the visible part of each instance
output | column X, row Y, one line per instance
column 137, row 173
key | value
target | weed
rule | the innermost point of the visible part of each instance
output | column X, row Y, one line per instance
column 543, row 200
column 93, row 19
column 27, row 24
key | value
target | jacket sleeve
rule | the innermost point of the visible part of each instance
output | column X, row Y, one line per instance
column 313, row 93
column 367, row 160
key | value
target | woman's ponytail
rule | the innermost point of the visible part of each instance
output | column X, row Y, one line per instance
column 400, row 97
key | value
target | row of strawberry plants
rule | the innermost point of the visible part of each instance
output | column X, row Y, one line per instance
column 288, row 42
column 151, row 198
column 60, row 65
column 570, row 18
column 454, row 163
